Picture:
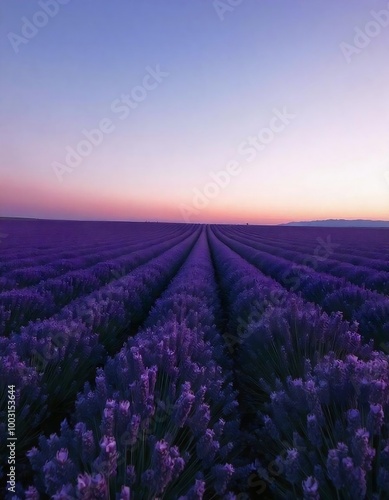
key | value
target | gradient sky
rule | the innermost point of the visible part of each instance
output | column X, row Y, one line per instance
column 225, row 79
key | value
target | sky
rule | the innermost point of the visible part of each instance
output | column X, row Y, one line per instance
column 215, row 111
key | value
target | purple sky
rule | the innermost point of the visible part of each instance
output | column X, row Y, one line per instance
column 183, row 91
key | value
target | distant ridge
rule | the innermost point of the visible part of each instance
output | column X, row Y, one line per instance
column 20, row 218
column 340, row 223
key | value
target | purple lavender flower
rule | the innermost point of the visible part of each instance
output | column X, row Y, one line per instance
column 353, row 419
column 311, row 489
column 107, row 460
column 333, row 468
column 125, row 494
column 183, row 405
column 363, row 453
column 108, row 421
column 207, row 447
column 196, row 492
column 314, row 430
column 200, row 420
column 355, row 479
column 65, row 493
column 223, row 475
column 131, row 474
column 59, row 471
column 92, row 487
column 32, row 493
column 375, row 419
column 133, row 430
column 292, row 466
column 166, row 466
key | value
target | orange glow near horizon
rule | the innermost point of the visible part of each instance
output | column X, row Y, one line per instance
column 35, row 201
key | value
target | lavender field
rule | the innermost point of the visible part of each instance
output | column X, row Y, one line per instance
column 185, row 361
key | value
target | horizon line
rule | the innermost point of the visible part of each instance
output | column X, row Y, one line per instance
column 184, row 222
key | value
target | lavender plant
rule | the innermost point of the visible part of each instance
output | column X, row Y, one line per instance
column 313, row 385
column 162, row 417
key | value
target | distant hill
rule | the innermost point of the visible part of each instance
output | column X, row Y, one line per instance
column 340, row 223
column 19, row 218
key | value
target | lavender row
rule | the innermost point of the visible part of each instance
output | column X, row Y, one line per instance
column 362, row 251
column 162, row 418
column 18, row 307
column 319, row 400
column 62, row 352
column 369, row 309
column 246, row 292
column 28, row 238
column 27, row 276
column 61, row 259
column 18, row 260
column 317, row 396
column 362, row 240
column 321, row 261
column 318, row 241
